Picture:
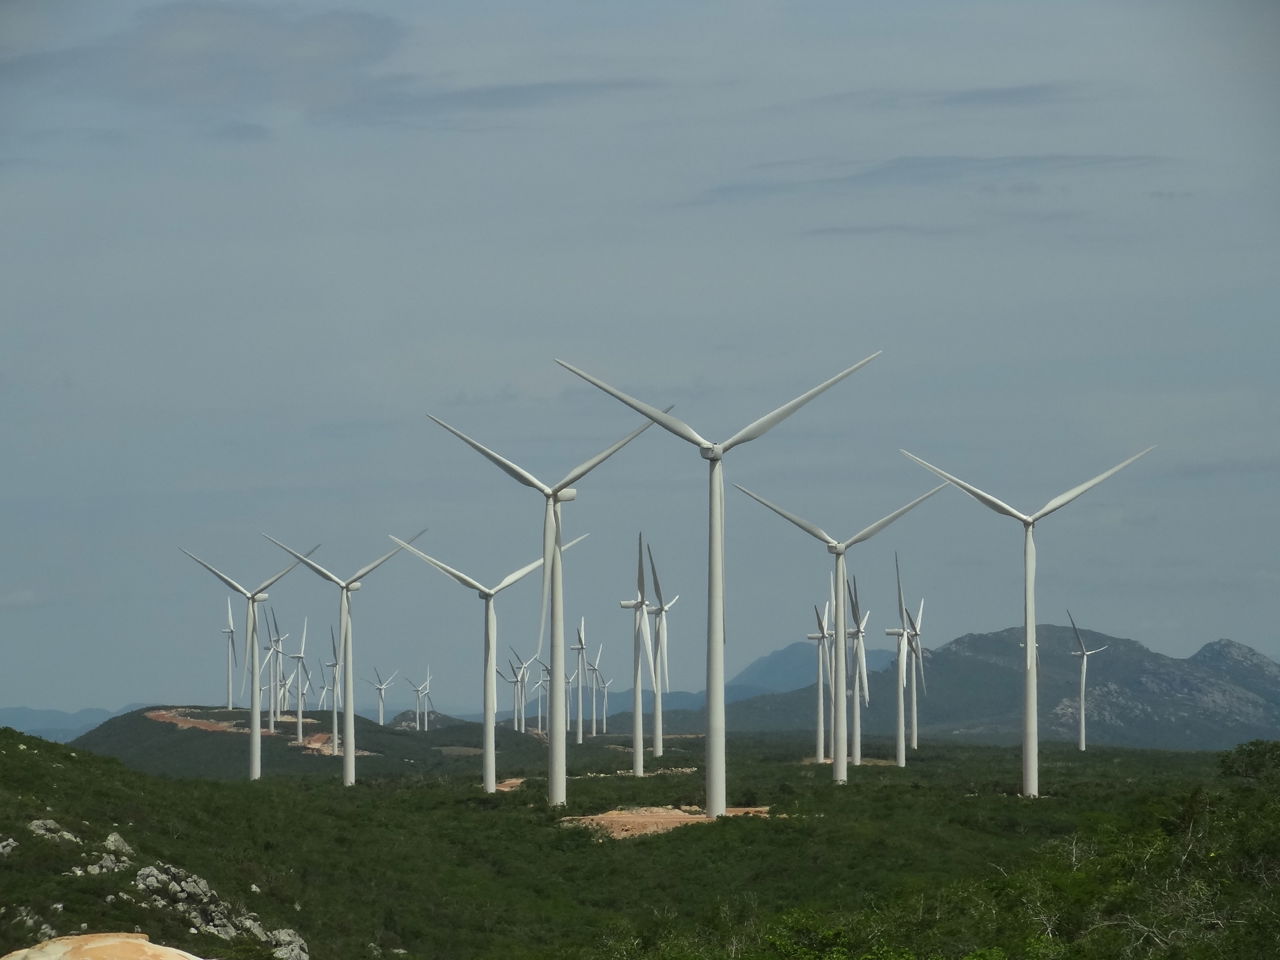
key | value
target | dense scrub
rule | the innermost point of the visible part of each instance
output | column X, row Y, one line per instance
column 1131, row 853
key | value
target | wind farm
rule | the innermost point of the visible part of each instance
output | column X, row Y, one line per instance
column 283, row 275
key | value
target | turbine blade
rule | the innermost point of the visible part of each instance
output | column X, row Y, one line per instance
column 443, row 567
column 582, row 469
column 301, row 558
column 548, row 550
column 528, row 568
column 999, row 506
column 1079, row 642
column 660, row 417
column 1062, row 499
column 810, row 528
column 771, row 420
column 512, row 470
column 369, row 568
column 902, row 604
column 219, row 574
column 230, row 623
column 640, row 566
column 653, row 568
column 822, row 627
column 879, row 525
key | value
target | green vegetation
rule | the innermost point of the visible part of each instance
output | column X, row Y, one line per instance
column 1132, row 854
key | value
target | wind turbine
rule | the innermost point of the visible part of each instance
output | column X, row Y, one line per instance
column 915, row 657
column 345, row 589
column 640, row 649
column 839, row 669
column 336, row 666
column 604, row 709
column 300, row 670
column 552, row 586
column 381, row 687
column 229, row 631
column 661, row 673
column 580, row 648
column 858, row 634
column 820, row 754
column 595, row 686
column 714, row 453
column 252, row 598
column 1084, row 656
column 903, row 633
column 419, row 693
column 490, row 681
column 1030, row 723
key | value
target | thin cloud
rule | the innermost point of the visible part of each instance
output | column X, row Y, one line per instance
column 926, row 171
column 221, row 63
column 1015, row 96
column 887, row 229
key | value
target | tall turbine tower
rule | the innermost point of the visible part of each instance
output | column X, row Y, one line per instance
column 1030, row 723
column 714, row 453
column 490, row 675
column 820, row 753
column 839, row 669
column 903, row 633
column 580, row 648
column 252, row 599
column 552, row 586
column 345, row 589
column 1084, row 656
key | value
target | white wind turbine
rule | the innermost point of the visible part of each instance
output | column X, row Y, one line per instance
column 641, row 649
column 839, row 669
column 336, row 666
column 661, row 673
column 1084, row 656
column 903, row 633
column 713, row 453
column 915, row 664
column 595, row 686
column 252, row 598
column 580, row 648
column 604, row 708
column 420, row 691
column 300, row 671
column 490, row 675
column 229, row 631
column 1030, row 723
column 552, row 587
column 381, row 687
column 861, row 692
column 820, row 753
column 345, row 589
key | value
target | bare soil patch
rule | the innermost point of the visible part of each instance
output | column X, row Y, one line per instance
column 514, row 783
column 286, row 725
column 641, row 821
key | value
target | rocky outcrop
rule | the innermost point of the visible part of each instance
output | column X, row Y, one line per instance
column 97, row 946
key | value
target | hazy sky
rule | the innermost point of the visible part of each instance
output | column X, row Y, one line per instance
column 247, row 247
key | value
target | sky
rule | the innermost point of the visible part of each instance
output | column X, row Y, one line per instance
column 248, row 247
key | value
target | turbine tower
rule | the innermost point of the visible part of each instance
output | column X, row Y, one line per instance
column 820, row 753
column 552, row 586
column 345, row 589
column 1030, row 723
column 490, row 675
column 580, row 648
column 1084, row 656
column 714, row 453
column 839, row 669
column 903, row 633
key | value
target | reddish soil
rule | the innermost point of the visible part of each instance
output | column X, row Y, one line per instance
column 316, row 743
column 640, row 821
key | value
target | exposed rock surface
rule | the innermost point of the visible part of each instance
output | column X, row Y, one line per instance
column 100, row 946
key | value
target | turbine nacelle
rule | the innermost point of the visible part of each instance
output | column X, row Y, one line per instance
column 353, row 587
column 565, row 495
column 712, row 451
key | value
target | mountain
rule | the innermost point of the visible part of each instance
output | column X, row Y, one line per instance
column 793, row 667
column 57, row 725
column 1224, row 694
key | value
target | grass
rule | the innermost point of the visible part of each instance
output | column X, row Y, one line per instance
column 941, row 858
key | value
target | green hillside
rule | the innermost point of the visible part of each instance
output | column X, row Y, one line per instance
column 1134, row 853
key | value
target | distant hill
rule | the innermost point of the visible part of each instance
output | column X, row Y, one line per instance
column 57, row 725
column 793, row 667
column 1224, row 694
